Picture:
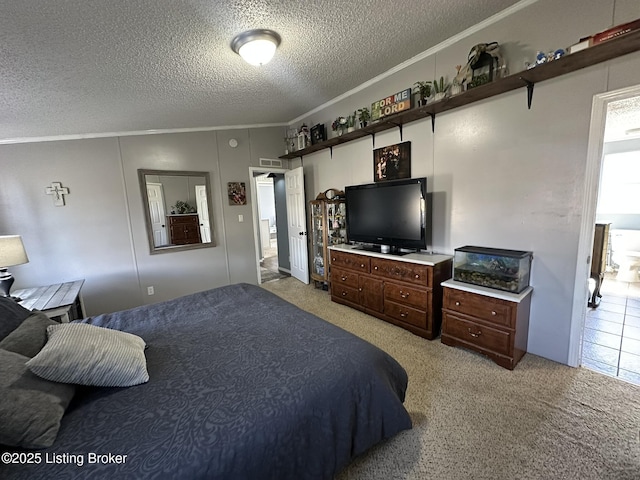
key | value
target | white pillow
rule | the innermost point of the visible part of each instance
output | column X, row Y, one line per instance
column 85, row 354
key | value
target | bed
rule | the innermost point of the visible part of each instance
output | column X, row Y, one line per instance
column 242, row 385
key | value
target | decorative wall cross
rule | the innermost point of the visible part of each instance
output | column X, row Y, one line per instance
column 57, row 190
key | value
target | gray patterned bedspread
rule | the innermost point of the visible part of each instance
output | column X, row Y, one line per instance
column 243, row 385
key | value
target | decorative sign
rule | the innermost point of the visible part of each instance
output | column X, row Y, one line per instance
column 58, row 191
column 388, row 106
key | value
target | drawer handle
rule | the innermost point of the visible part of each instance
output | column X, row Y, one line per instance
column 493, row 313
column 343, row 278
column 375, row 268
column 416, row 276
column 404, row 314
column 362, row 265
column 475, row 335
column 457, row 304
column 403, row 294
column 344, row 294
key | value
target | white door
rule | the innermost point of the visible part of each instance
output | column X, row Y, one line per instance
column 203, row 213
column 297, row 224
column 156, row 211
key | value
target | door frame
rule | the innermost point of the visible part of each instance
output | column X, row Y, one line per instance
column 593, row 171
column 254, row 208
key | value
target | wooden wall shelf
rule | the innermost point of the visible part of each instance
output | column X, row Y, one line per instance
column 602, row 52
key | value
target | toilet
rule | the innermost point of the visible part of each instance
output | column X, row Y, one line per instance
column 625, row 252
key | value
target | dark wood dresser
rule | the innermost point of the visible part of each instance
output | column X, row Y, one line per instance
column 599, row 261
column 184, row 229
column 486, row 320
column 403, row 290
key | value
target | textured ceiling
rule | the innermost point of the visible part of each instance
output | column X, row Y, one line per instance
column 623, row 120
column 76, row 67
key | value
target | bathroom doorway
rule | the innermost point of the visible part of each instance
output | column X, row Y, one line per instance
column 270, row 221
column 610, row 340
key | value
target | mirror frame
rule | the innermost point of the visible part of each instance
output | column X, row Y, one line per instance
column 142, row 173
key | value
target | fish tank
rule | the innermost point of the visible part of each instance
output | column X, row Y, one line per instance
column 501, row 269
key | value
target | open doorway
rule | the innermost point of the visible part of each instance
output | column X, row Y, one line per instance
column 270, row 221
column 610, row 335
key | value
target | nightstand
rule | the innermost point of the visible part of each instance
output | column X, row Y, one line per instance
column 61, row 302
column 489, row 321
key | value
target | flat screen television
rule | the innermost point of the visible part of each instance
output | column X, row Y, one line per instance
column 388, row 216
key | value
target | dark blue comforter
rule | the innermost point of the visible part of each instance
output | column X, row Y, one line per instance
column 243, row 385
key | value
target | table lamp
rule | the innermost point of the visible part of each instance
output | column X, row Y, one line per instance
column 11, row 253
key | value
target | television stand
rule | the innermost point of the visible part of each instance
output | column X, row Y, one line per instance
column 402, row 290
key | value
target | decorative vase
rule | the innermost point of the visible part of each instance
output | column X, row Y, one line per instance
column 456, row 88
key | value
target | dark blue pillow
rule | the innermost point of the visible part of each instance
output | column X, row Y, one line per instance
column 12, row 314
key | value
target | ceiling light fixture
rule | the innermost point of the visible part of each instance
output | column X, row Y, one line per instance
column 257, row 47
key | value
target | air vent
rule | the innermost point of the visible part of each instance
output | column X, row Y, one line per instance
column 267, row 162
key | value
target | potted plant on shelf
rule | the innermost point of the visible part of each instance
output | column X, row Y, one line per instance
column 338, row 125
column 364, row 116
column 440, row 89
column 423, row 89
column 351, row 122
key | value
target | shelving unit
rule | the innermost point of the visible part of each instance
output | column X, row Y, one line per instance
column 328, row 227
column 602, row 52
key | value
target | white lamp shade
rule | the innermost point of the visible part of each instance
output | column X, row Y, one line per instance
column 258, row 52
column 12, row 251
column 256, row 47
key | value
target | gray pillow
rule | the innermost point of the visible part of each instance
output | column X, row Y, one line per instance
column 31, row 407
column 12, row 314
column 89, row 355
column 30, row 336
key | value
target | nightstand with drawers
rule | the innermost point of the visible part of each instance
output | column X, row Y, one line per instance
column 489, row 321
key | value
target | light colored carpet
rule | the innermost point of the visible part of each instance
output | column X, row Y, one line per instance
column 475, row 420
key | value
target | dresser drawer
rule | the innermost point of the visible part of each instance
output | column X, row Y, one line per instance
column 404, row 271
column 412, row 296
column 344, row 277
column 489, row 309
column 190, row 219
column 482, row 336
column 406, row 314
column 353, row 261
column 344, row 292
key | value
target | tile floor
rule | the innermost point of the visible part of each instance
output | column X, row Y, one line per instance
column 611, row 343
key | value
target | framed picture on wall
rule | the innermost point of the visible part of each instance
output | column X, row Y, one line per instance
column 392, row 162
column 237, row 193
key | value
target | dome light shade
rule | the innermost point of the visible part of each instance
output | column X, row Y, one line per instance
column 257, row 47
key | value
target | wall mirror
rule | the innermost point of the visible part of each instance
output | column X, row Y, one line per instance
column 178, row 209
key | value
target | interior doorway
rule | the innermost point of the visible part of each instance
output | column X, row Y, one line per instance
column 270, row 224
column 606, row 335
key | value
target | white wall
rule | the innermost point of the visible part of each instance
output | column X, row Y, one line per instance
column 100, row 234
column 501, row 175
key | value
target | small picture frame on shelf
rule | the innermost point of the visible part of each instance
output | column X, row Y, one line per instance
column 318, row 134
